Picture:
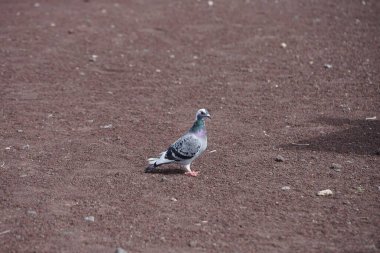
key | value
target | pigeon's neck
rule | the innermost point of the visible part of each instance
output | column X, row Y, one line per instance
column 198, row 127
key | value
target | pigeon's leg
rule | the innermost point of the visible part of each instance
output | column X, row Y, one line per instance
column 189, row 172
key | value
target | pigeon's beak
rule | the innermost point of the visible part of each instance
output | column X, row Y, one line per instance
column 208, row 116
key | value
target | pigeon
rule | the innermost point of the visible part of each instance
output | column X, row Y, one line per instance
column 187, row 148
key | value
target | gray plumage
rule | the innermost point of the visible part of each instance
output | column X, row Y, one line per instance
column 187, row 148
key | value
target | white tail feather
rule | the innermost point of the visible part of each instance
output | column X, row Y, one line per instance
column 152, row 160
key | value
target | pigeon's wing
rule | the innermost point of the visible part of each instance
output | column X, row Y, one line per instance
column 185, row 148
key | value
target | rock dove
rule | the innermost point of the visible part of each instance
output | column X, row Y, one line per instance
column 186, row 148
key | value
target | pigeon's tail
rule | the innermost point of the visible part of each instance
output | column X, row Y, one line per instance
column 152, row 165
column 152, row 160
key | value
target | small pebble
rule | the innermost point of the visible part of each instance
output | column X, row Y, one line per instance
column 283, row 45
column 173, row 199
column 279, row 158
column 106, row 126
column 326, row 192
column 285, row 188
column 31, row 212
column 360, row 189
column 328, row 66
column 93, row 58
column 210, row 3
column 163, row 179
column 193, row 244
column 120, row 250
column 89, row 218
column 336, row 166
column 36, row 5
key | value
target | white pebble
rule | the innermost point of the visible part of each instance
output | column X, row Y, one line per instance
column 93, row 58
column 89, row 218
column 328, row 66
column 283, row 45
column 285, row 188
column 106, row 126
column 36, row 5
column 210, row 3
column 174, row 199
column 326, row 192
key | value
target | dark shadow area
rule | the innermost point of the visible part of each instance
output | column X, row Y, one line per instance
column 360, row 137
column 167, row 171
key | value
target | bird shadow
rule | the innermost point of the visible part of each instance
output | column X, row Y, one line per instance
column 167, row 171
column 360, row 137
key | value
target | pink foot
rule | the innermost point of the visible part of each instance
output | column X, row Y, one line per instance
column 192, row 173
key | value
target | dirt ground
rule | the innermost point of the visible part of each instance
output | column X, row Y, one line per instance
column 90, row 89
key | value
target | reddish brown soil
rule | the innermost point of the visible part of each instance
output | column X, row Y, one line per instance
column 158, row 62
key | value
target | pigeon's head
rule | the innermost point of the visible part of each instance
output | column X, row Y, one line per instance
column 202, row 113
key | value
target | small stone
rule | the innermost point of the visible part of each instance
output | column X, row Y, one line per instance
column 327, row 66
column 279, row 158
column 193, row 244
column 336, row 166
column 326, row 192
column 210, row 3
column 8, row 148
column 31, row 212
column 19, row 131
column 173, row 199
column 120, row 250
column 93, row 58
column 89, row 218
column 283, row 45
column 158, row 70
column 52, row 24
column 163, row 179
column 285, row 188
column 360, row 189
column 36, row 5
column 106, row 126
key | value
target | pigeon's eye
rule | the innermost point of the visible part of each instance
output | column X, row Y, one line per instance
column 202, row 112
